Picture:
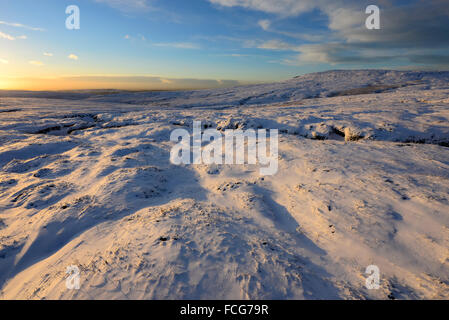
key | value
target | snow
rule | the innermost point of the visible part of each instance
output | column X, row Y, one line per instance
column 363, row 179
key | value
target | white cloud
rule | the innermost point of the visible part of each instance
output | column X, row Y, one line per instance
column 19, row 25
column 344, row 18
column 138, row 37
column 48, row 54
column 127, row 5
column 178, row 45
column 10, row 37
column 4, row 61
column 264, row 24
column 276, row 45
column 36, row 63
column 6, row 36
column 282, row 7
column 72, row 56
column 238, row 55
column 314, row 53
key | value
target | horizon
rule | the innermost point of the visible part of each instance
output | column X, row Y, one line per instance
column 152, row 45
column 112, row 90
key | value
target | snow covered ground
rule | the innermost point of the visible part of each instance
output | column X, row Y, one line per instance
column 363, row 179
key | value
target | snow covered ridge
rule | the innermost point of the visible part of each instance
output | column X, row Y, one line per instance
column 399, row 115
column 363, row 179
column 323, row 84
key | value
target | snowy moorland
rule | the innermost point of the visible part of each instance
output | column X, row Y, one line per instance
column 363, row 179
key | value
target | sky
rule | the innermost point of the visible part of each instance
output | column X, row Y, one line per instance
column 194, row 44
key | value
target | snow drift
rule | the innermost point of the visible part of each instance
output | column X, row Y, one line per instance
column 363, row 179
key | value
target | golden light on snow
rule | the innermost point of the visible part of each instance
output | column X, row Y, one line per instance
column 89, row 182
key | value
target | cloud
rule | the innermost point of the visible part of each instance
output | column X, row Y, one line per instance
column 138, row 37
column 282, row 7
column 19, row 25
column 430, row 59
column 264, row 24
column 349, row 54
column 127, row 5
column 4, row 61
column 236, row 55
column 416, row 33
column 10, row 37
column 178, row 45
column 48, row 54
column 118, row 82
column 72, row 56
column 276, row 45
column 420, row 25
column 6, row 36
column 412, row 32
column 36, row 63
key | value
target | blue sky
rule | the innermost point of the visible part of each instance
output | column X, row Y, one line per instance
column 138, row 44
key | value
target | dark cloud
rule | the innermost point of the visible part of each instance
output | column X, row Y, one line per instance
column 430, row 59
column 417, row 32
column 414, row 31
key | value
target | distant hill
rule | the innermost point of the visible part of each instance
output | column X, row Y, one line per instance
column 313, row 85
